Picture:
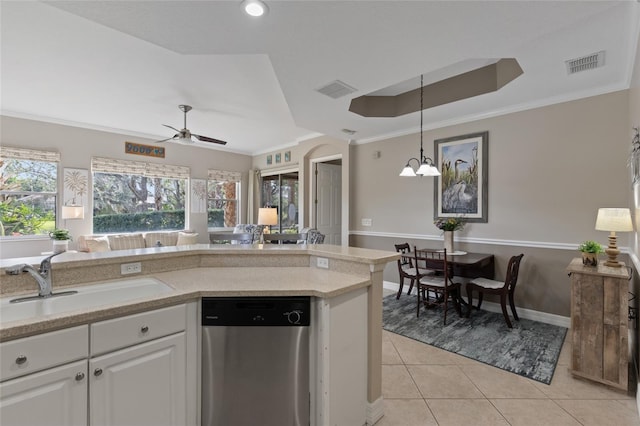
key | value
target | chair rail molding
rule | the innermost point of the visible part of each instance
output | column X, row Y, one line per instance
column 491, row 241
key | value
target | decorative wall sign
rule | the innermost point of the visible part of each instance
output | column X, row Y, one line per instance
column 462, row 189
column 287, row 156
column 269, row 159
column 198, row 196
column 278, row 158
column 76, row 188
column 146, row 150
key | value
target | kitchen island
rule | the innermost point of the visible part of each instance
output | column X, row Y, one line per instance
column 351, row 283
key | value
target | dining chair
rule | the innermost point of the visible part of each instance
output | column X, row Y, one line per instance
column 405, row 267
column 435, row 274
column 504, row 288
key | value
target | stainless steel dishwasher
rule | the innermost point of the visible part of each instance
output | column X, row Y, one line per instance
column 255, row 361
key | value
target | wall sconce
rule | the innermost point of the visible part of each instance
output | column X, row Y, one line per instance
column 426, row 167
column 613, row 220
column 72, row 212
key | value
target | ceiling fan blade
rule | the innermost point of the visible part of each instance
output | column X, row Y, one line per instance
column 207, row 139
column 168, row 139
column 171, row 127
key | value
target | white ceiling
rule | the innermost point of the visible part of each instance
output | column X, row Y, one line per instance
column 125, row 66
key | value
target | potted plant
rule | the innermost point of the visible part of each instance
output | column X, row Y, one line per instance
column 590, row 250
column 61, row 238
column 447, row 226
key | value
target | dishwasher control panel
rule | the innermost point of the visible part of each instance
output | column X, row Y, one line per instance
column 256, row 311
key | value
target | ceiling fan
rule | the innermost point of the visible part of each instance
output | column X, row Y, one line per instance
column 185, row 135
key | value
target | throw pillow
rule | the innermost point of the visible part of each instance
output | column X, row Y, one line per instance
column 185, row 239
column 96, row 245
column 126, row 241
column 167, row 238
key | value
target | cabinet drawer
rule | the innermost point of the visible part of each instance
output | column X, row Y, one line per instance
column 35, row 353
column 121, row 332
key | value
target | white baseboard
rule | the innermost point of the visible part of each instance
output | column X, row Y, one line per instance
column 495, row 307
column 375, row 411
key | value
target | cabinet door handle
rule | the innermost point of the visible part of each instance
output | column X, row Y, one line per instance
column 21, row 359
column 79, row 377
column 144, row 329
column 97, row 372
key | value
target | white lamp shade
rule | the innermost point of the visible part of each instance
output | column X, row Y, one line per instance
column 614, row 219
column 428, row 170
column 407, row 172
column 267, row 216
column 72, row 212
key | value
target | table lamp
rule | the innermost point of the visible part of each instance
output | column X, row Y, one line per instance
column 613, row 220
column 267, row 216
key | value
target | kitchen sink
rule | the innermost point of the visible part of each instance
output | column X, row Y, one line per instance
column 90, row 296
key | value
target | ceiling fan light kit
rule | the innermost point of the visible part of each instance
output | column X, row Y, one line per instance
column 185, row 136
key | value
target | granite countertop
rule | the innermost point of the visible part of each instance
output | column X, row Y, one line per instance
column 193, row 283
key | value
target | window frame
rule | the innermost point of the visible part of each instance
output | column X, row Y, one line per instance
column 111, row 166
column 34, row 155
column 222, row 176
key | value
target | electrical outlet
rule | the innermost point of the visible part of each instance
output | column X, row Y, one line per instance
column 323, row 262
column 130, row 268
column 367, row 222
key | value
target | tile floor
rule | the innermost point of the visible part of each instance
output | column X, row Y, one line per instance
column 424, row 385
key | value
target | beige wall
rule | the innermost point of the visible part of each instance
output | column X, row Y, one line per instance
column 550, row 169
column 78, row 145
column 302, row 157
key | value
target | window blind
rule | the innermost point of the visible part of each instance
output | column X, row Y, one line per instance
column 128, row 167
column 29, row 154
column 223, row 175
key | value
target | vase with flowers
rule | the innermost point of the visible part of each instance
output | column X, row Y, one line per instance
column 448, row 226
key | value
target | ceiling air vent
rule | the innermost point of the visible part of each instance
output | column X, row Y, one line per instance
column 588, row 62
column 336, row 89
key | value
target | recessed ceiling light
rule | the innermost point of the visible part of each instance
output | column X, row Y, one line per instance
column 254, row 7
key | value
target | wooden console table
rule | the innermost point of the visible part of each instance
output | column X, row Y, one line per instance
column 599, row 323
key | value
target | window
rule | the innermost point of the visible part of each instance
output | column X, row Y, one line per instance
column 223, row 193
column 281, row 191
column 137, row 196
column 28, row 188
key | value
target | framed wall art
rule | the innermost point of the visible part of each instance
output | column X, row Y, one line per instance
column 462, row 188
column 198, row 196
column 76, row 190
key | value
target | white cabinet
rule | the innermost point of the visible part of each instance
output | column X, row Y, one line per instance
column 57, row 396
column 41, row 383
column 140, row 385
column 137, row 373
column 138, row 369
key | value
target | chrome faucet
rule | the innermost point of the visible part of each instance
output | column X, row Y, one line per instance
column 42, row 276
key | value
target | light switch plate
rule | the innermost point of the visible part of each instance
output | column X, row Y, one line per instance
column 367, row 222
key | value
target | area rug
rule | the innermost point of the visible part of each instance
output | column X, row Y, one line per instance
column 530, row 348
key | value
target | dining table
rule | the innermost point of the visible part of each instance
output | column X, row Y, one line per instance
column 471, row 265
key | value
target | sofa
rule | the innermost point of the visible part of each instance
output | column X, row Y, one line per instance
column 134, row 240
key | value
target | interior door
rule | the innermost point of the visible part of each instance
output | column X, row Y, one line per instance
column 328, row 202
